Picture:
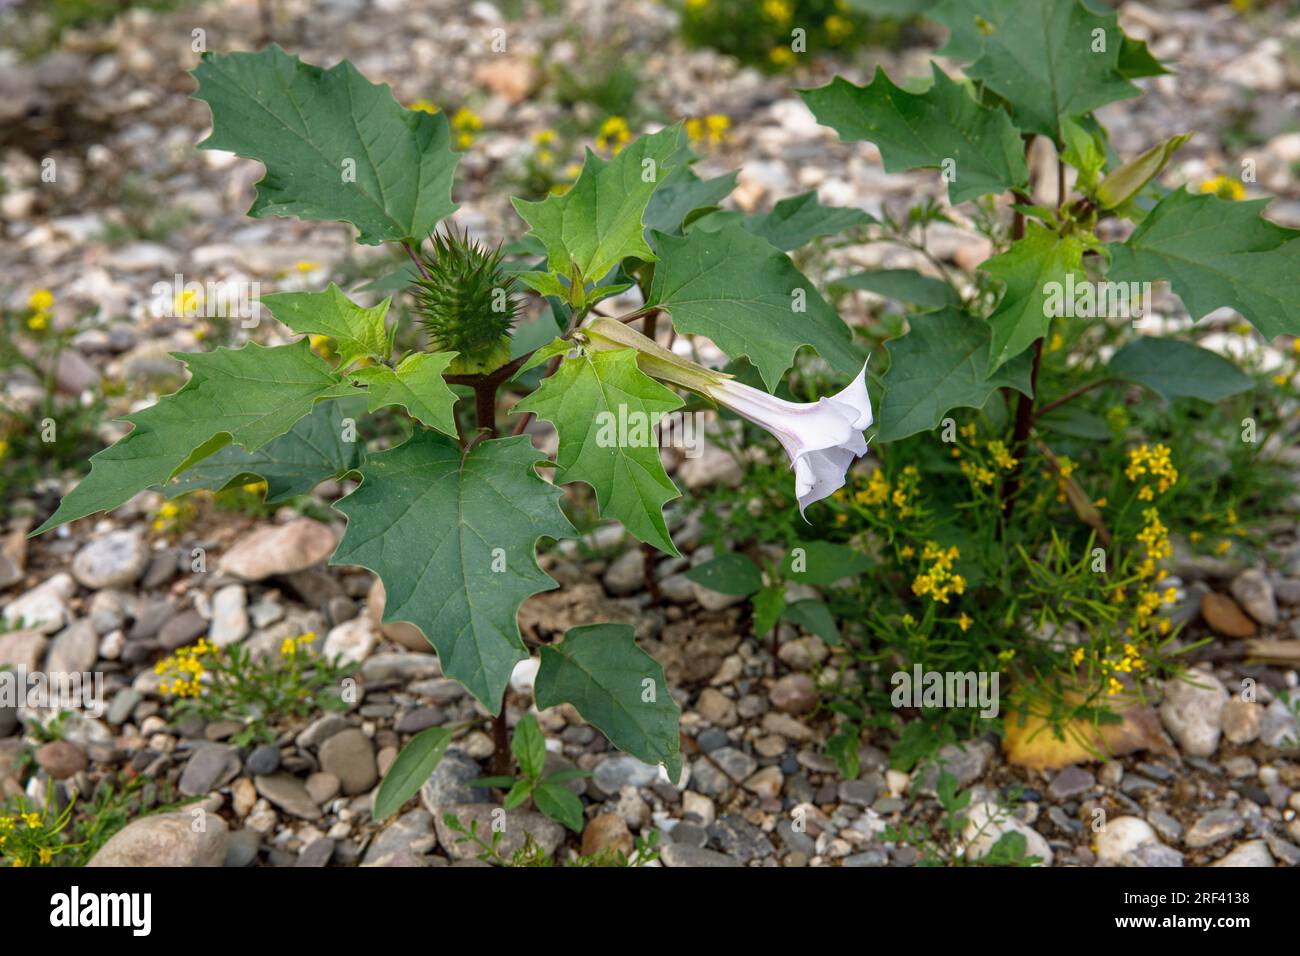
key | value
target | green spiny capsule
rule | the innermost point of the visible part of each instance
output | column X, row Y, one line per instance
column 462, row 298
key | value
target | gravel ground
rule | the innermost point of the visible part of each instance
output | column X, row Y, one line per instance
column 1214, row 783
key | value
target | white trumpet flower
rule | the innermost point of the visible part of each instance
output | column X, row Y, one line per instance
column 822, row 438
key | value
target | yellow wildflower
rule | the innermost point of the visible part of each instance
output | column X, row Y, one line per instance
column 42, row 300
column 1224, row 187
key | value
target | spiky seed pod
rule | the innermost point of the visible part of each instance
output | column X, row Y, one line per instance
column 463, row 301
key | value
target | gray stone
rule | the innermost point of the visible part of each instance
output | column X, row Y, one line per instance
column 740, row 839
column 421, row 718
column 350, row 756
column 242, row 847
column 684, row 855
column 966, row 762
column 211, row 767
column 1251, row 853
column 517, row 826
column 1254, row 593
column 122, row 706
column 1193, row 714
column 74, row 650
column 323, row 787
column 626, row 575
column 166, row 839
column 412, row 832
column 1072, row 781
column 264, row 760
column 447, row 785
column 614, row 773
column 316, row 854
column 1213, row 827
column 1279, row 727
column 44, row 608
column 182, row 629
column 289, row 794
column 320, row 730
column 114, row 561
column 279, row 549
column 229, row 615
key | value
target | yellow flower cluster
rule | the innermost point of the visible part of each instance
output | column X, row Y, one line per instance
column 1153, row 461
column 1225, row 187
column 902, row 494
column 291, row 646
column 183, row 672
column 710, row 130
column 838, row 28
column 1154, row 537
column 544, row 140
column 40, row 302
column 613, row 136
column 778, row 11
column 167, row 514
column 781, row 55
column 465, row 122
column 937, row 580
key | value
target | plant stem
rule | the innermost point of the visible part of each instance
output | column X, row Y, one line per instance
column 416, row 259
column 1070, row 396
column 485, row 417
column 1020, row 438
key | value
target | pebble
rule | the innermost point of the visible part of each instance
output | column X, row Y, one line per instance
column 606, row 831
column 61, row 759
column 740, row 839
column 44, row 608
column 1213, row 827
column 1193, row 714
column 986, row 823
column 1226, row 617
column 794, row 694
column 350, row 756
column 229, row 615
column 74, row 650
column 289, row 794
column 447, row 785
column 323, row 787
column 210, row 767
column 1251, row 853
column 316, row 854
column 626, row 575
column 182, row 629
column 166, row 840
column 621, row 770
column 279, row 549
column 114, row 561
column 685, row 855
column 1253, row 592
column 514, row 828
column 22, row 651
column 351, row 642
column 717, row 708
column 1072, row 781
column 264, row 759
column 1121, row 836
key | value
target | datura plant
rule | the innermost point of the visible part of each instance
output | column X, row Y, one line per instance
column 451, row 518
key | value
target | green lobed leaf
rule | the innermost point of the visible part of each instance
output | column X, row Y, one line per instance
column 924, row 130
column 729, row 573
column 682, row 193
column 453, row 539
column 1028, row 269
column 599, row 221
column 1215, row 253
column 1173, row 369
column 293, row 464
column 418, row 759
column 245, row 396
column 823, row 562
column 358, row 332
column 335, row 146
column 815, row 618
column 743, row 294
column 416, row 385
column 529, row 746
column 1040, row 58
column 604, row 409
column 618, row 687
column 905, row 285
column 769, row 605
column 941, row 364
column 798, row 220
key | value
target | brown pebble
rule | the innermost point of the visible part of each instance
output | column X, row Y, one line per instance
column 1225, row 616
